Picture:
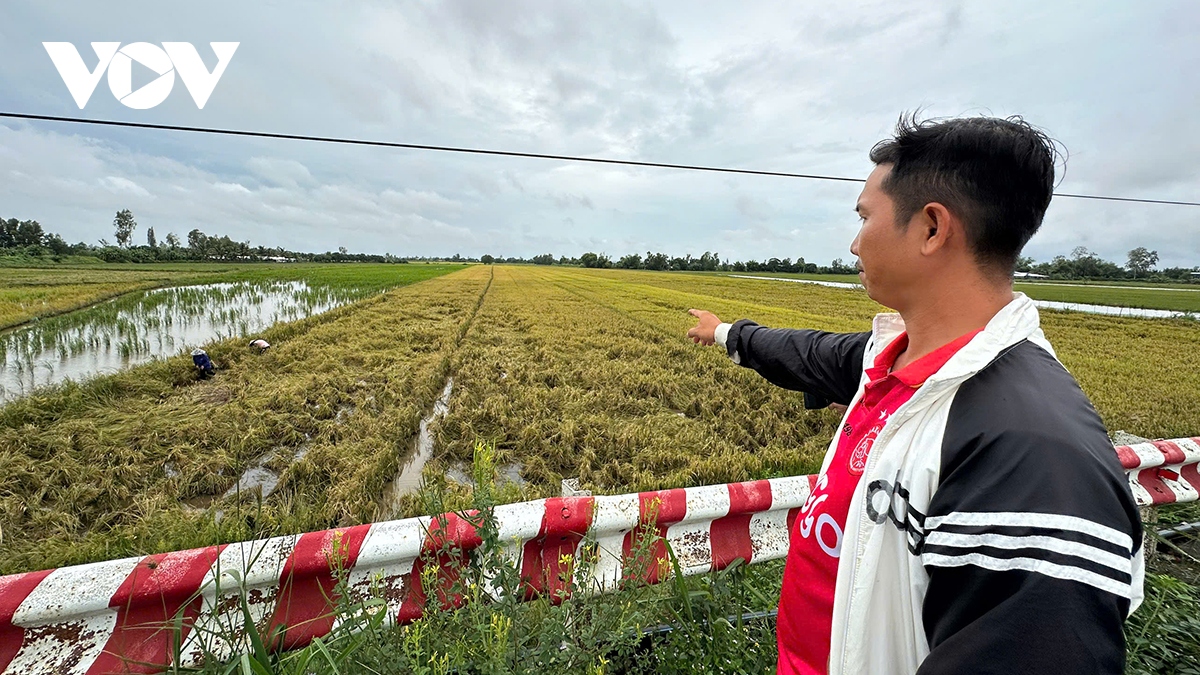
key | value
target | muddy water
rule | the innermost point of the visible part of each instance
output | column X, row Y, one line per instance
column 137, row 328
column 261, row 477
column 409, row 478
column 256, row 482
column 505, row 473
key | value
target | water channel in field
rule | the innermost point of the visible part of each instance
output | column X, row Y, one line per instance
column 1107, row 310
column 137, row 328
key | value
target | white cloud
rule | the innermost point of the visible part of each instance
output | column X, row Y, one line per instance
column 277, row 171
column 118, row 184
column 234, row 188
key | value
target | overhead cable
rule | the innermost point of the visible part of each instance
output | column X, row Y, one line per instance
column 506, row 153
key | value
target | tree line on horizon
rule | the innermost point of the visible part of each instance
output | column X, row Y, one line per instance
column 707, row 262
column 28, row 238
column 1141, row 263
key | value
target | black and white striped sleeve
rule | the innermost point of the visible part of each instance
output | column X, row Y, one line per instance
column 1032, row 542
column 827, row 367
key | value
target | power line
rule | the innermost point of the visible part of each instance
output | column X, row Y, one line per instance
column 418, row 146
column 1125, row 199
column 506, row 153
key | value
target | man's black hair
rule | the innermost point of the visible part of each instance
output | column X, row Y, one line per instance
column 997, row 175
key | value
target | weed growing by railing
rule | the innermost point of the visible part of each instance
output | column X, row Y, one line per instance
column 1162, row 635
column 483, row 616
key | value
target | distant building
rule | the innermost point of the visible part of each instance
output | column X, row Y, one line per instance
column 1031, row 275
column 272, row 258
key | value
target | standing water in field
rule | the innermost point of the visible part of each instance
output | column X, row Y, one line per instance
column 1108, row 310
column 409, row 478
column 137, row 328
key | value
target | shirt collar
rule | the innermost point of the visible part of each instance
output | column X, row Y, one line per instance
column 1017, row 321
column 915, row 373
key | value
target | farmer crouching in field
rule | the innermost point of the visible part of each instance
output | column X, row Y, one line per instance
column 203, row 364
column 970, row 515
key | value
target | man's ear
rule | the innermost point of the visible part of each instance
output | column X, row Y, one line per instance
column 938, row 227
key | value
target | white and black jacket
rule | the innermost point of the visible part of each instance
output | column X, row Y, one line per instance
column 993, row 530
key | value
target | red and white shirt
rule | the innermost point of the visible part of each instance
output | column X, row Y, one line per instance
column 806, row 599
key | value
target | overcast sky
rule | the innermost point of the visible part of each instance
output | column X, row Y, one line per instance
column 782, row 86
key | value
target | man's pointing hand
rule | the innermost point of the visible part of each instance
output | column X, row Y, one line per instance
column 702, row 334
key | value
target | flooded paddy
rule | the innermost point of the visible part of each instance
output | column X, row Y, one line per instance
column 815, row 282
column 1110, row 310
column 137, row 328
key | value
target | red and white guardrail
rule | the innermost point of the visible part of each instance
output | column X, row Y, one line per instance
column 1163, row 472
column 118, row 616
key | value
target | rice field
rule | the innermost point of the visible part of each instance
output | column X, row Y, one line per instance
column 1178, row 299
column 28, row 294
column 1141, row 374
column 572, row 373
column 563, row 373
column 1140, row 295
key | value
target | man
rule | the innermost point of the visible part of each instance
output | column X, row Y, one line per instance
column 971, row 515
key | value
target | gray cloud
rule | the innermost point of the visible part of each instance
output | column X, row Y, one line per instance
column 752, row 209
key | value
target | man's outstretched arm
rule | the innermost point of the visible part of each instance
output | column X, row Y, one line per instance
column 826, row 366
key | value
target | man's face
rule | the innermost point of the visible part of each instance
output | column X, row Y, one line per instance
column 889, row 262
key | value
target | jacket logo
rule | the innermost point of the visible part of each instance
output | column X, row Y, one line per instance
column 886, row 501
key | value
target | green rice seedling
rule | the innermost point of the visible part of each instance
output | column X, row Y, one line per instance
column 118, row 334
column 28, row 294
column 1178, row 299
